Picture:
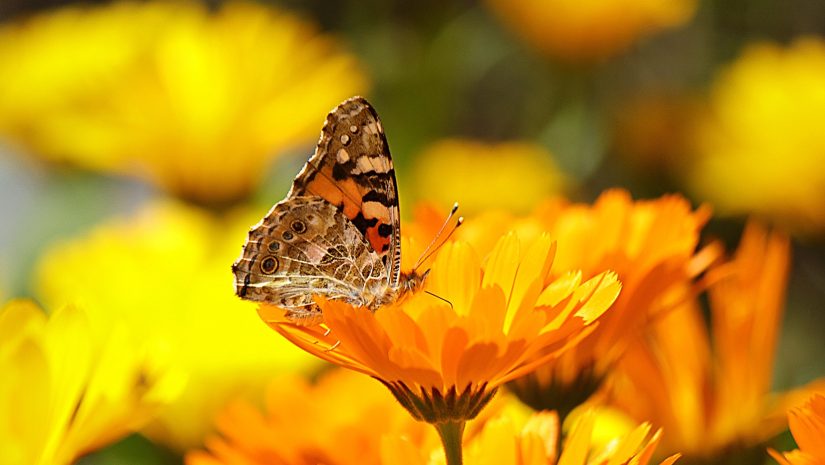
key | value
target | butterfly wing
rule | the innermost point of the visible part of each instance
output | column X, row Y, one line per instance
column 303, row 247
column 352, row 170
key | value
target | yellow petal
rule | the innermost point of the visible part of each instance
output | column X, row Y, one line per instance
column 502, row 264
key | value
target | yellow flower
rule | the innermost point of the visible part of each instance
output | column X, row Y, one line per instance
column 66, row 390
column 517, row 172
column 338, row 421
column 760, row 148
column 591, row 29
column 650, row 244
column 807, row 425
column 502, row 442
column 198, row 102
column 164, row 272
column 713, row 396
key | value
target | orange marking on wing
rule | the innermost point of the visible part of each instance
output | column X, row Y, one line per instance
column 376, row 240
column 325, row 188
column 351, row 191
column 346, row 192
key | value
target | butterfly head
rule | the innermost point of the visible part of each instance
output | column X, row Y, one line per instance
column 414, row 281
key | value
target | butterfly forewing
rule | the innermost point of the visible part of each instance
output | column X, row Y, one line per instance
column 352, row 170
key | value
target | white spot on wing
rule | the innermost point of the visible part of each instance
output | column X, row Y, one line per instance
column 342, row 156
column 363, row 165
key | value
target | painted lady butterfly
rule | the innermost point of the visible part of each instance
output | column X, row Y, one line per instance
column 337, row 232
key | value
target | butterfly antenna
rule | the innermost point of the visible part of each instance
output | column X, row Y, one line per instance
column 432, row 248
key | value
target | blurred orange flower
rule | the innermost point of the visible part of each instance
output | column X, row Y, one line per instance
column 713, row 399
column 807, row 425
column 197, row 101
column 589, row 30
column 650, row 244
column 760, row 146
column 654, row 132
column 338, row 421
column 444, row 362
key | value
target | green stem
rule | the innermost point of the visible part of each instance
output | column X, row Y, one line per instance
column 451, row 434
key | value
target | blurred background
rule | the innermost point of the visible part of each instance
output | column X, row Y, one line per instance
column 138, row 141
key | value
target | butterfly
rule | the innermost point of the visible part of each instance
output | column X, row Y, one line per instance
column 337, row 233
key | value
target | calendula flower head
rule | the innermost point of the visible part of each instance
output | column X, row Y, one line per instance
column 590, row 30
column 338, row 421
column 504, row 441
column 713, row 394
column 650, row 244
column 518, row 172
column 197, row 101
column 444, row 360
column 162, row 272
column 66, row 390
column 807, row 423
column 761, row 136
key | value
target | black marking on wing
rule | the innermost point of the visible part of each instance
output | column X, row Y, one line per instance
column 375, row 196
column 385, row 230
column 362, row 223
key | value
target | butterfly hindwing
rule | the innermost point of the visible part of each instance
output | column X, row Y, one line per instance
column 303, row 247
column 352, row 170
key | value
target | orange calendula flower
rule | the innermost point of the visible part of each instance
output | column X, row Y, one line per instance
column 713, row 394
column 444, row 361
column 338, row 421
column 197, row 100
column 502, row 441
column 589, row 30
column 67, row 391
column 650, row 244
column 807, row 425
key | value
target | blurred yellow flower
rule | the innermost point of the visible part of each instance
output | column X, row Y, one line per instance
column 164, row 272
column 715, row 400
column 807, row 425
column 761, row 147
column 650, row 244
column 502, row 442
column 587, row 30
column 66, row 390
column 198, row 102
column 338, row 421
column 517, row 172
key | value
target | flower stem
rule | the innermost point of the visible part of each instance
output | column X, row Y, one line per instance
column 451, row 434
